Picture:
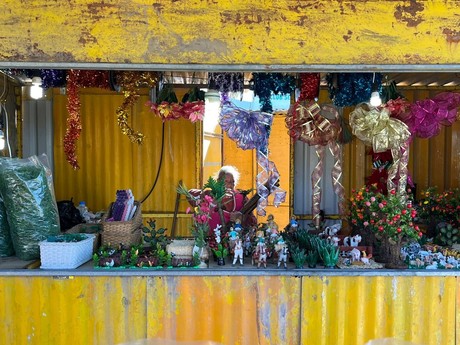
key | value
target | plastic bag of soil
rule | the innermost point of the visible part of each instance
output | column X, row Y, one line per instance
column 69, row 215
column 28, row 195
column 6, row 244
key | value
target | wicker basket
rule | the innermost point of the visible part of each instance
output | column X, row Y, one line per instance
column 66, row 255
column 88, row 228
column 127, row 233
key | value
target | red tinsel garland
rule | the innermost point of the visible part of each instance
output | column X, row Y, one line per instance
column 75, row 80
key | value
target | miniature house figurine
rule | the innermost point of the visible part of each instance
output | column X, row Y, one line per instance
column 238, row 252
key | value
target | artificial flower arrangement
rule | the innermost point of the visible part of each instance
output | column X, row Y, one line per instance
column 440, row 211
column 210, row 197
column 167, row 106
column 390, row 218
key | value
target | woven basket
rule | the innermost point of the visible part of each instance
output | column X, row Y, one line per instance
column 88, row 228
column 66, row 255
column 126, row 233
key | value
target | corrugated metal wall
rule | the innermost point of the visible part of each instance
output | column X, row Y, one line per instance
column 236, row 310
column 109, row 161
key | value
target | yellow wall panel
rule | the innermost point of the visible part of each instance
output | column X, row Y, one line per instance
column 354, row 310
column 228, row 310
column 231, row 32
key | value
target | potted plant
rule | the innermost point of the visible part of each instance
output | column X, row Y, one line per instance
column 389, row 217
column 298, row 256
column 221, row 252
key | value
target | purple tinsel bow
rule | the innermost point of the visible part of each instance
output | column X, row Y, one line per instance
column 427, row 116
column 249, row 129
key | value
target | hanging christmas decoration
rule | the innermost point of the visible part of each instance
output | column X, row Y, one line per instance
column 53, row 78
column 130, row 83
column 193, row 105
column 226, row 81
column 349, row 89
column 309, row 86
column 426, row 117
column 251, row 130
column 77, row 79
column 376, row 128
column 264, row 84
column 319, row 127
column 167, row 106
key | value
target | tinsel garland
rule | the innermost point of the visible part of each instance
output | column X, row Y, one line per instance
column 75, row 80
column 226, row 81
column 53, row 78
column 264, row 84
column 131, row 82
column 309, row 86
column 349, row 89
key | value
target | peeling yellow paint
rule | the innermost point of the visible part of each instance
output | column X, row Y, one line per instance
column 231, row 32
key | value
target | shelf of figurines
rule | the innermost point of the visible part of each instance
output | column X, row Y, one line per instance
column 265, row 248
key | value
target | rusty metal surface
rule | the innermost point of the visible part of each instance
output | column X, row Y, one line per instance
column 231, row 33
column 277, row 309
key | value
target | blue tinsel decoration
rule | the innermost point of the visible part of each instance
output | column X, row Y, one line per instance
column 264, row 84
column 350, row 89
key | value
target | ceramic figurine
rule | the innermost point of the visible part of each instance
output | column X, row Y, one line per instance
column 217, row 233
column 352, row 241
column 238, row 252
column 272, row 226
column 282, row 255
column 238, row 227
column 260, row 253
column 355, row 254
column 293, row 224
column 247, row 244
column 232, row 237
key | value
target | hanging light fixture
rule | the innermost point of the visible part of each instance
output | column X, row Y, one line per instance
column 375, row 100
column 36, row 90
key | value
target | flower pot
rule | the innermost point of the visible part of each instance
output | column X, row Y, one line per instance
column 220, row 261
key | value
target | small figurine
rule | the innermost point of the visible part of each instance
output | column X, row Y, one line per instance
column 355, row 254
column 365, row 258
column 232, row 237
column 282, row 253
column 293, row 224
column 272, row 226
column 217, row 233
column 238, row 252
column 335, row 241
column 352, row 241
column 238, row 227
column 247, row 244
column 260, row 253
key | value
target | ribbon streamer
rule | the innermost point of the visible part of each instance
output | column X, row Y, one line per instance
column 376, row 128
column 336, row 150
column 267, row 184
column 316, row 184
